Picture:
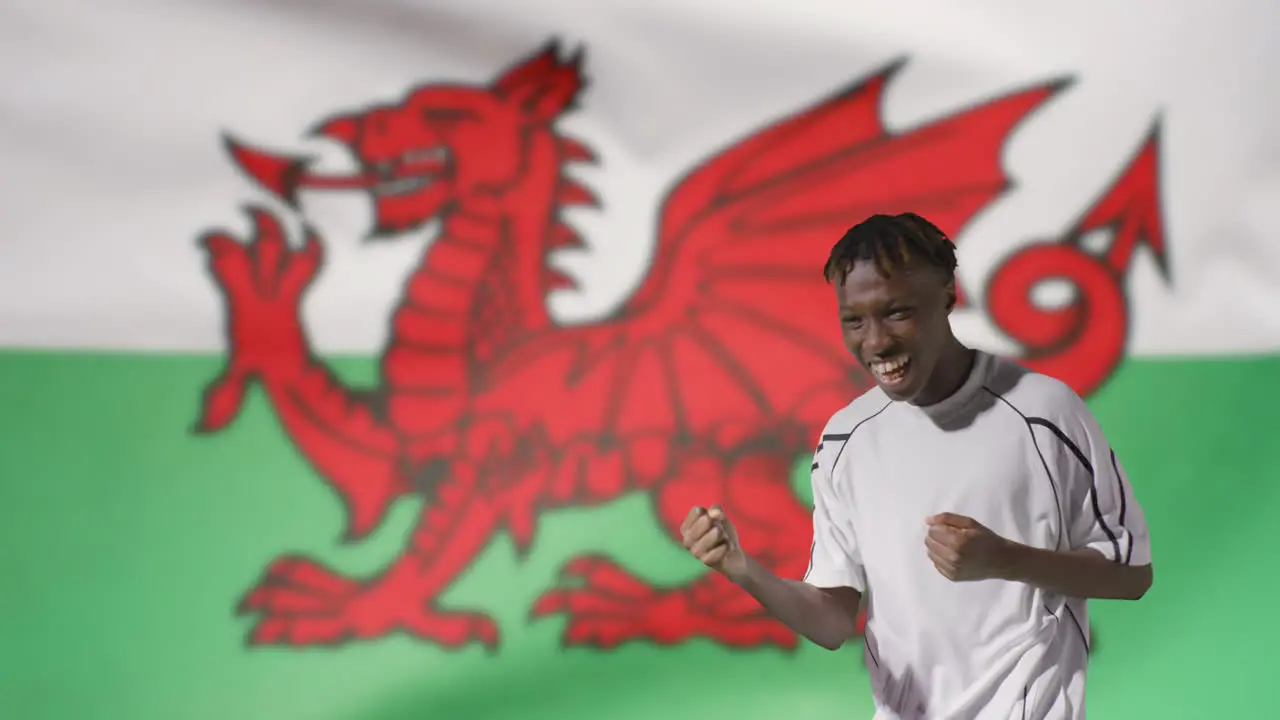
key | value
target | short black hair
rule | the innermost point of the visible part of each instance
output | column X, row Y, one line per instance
column 891, row 241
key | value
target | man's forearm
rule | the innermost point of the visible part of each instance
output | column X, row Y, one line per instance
column 1077, row 573
column 808, row 610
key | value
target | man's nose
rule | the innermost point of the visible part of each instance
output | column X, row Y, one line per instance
column 877, row 339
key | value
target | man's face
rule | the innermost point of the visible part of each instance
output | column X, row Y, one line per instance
column 896, row 326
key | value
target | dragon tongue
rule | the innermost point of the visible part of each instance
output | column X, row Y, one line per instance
column 282, row 175
column 279, row 174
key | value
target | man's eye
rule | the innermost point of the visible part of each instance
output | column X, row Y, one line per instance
column 852, row 321
column 900, row 314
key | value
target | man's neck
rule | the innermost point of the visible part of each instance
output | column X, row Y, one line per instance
column 952, row 370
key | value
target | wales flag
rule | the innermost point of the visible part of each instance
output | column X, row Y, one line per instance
column 361, row 360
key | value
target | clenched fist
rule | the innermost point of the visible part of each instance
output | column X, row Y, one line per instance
column 710, row 536
column 962, row 548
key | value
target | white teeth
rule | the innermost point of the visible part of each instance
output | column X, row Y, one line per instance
column 888, row 370
column 888, row 366
column 405, row 185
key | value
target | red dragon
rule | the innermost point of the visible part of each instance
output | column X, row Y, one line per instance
column 703, row 388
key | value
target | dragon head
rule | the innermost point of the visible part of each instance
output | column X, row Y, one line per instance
column 440, row 148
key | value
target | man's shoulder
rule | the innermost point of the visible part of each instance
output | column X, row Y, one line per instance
column 864, row 407
column 1033, row 394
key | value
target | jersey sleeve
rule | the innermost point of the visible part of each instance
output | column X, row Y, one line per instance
column 834, row 560
column 1101, row 510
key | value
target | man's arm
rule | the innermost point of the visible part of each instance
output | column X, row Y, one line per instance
column 1076, row 573
column 1108, row 551
column 827, row 616
column 822, row 607
column 964, row 549
column 1107, row 546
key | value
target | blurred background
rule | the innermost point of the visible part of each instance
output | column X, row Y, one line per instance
column 1139, row 135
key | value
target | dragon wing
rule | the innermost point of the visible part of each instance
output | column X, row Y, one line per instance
column 734, row 329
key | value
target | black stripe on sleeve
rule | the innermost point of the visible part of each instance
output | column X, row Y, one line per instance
column 818, row 450
column 848, row 435
column 1115, row 467
column 1093, row 486
column 1065, row 441
column 1062, row 523
column 843, row 439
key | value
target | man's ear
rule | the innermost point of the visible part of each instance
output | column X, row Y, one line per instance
column 951, row 293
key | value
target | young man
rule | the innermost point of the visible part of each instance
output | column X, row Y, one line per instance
column 976, row 504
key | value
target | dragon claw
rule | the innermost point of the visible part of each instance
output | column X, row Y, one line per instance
column 607, row 606
column 301, row 602
column 222, row 401
column 261, row 280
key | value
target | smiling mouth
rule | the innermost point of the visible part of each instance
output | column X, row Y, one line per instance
column 891, row 372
